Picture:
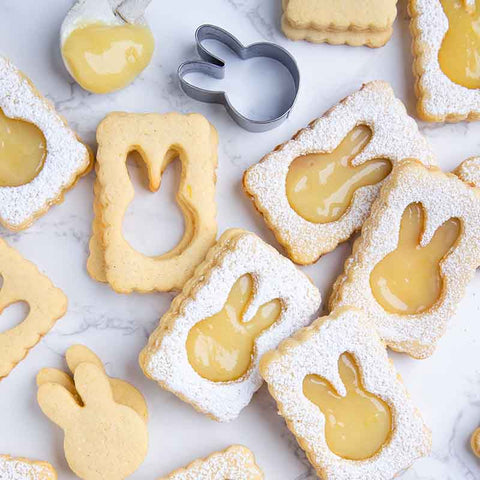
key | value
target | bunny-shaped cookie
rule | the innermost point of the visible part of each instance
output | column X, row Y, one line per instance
column 409, row 280
column 320, row 186
column 123, row 392
column 356, row 425
column 220, row 348
column 103, row 439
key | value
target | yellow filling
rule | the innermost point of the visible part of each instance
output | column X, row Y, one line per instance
column 459, row 54
column 409, row 280
column 357, row 425
column 320, row 186
column 23, row 149
column 105, row 58
column 221, row 347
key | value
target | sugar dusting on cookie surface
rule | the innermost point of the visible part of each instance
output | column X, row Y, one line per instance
column 23, row 469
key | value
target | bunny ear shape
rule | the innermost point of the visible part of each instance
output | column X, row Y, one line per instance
column 355, row 142
column 77, row 354
column 53, row 375
column 445, row 238
column 319, row 391
column 92, row 385
column 265, row 317
column 412, row 225
column 57, row 403
column 240, row 295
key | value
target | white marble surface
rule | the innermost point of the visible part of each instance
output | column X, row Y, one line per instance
column 446, row 387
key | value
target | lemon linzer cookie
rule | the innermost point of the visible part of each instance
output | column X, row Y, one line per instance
column 241, row 302
column 316, row 190
column 352, row 22
column 235, row 463
column 446, row 42
column 343, row 400
column 41, row 157
column 417, row 252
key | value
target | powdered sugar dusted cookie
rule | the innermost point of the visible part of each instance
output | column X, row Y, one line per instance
column 41, row 157
column 354, row 22
column 316, row 190
column 446, row 42
column 235, row 463
column 23, row 469
column 22, row 282
column 469, row 171
column 343, row 400
column 242, row 301
column 416, row 254
column 159, row 139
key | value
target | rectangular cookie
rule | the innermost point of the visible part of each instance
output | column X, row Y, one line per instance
column 445, row 46
column 417, row 252
column 241, row 302
column 343, row 400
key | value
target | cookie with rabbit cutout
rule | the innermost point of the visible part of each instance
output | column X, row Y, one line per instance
column 446, row 65
column 343, row 400
column 241, row 302
column 316, row 190
column 417, row 251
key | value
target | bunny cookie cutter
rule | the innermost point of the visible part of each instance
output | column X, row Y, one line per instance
column 215, row 67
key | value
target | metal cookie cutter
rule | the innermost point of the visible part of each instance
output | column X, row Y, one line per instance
column 215, row 67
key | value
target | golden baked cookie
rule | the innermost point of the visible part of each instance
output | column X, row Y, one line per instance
column 12, row 468
column 22, row 282
column 446, row 42
column 40, row 156
column 235, row 463
column 158, row 139
column 343, row 400
column 418, row 250
column 352, row 22
column 316, row 190
column 104, row 440
column 241, row 302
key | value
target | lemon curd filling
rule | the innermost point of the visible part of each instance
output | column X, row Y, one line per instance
column 103, row 58
column 320, row 186
column 356, row 425
column 220, row 348
column 459, row 55
column 23, row 149
column 408, row 280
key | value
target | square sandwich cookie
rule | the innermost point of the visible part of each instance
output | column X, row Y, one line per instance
column 242, row 301
column 41, row 157
column 354, row 22
column 418, row 250
column 343, row 400
column 234, row 463
column 316, row 190
column 446, row 46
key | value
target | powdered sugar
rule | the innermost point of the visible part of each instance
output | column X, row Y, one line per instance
column 234, row 463
column 469, row 171
column 443, row 196
column 395, row 136
column 316, row 350
column 22, row 469
column 439, row 97
column 66, row 156
column 237, row 253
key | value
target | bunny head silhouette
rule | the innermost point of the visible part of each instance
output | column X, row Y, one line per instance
column 356, row 425
column 103, row 439
column 458, row 55
column 320, row 186
column 221, row 347
column 409, row 280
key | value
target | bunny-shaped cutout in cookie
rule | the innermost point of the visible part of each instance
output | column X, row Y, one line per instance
column 320, row 186
column 221, row 347
column 103, row 439
column 459, row 55
column 356, row 425
column 409, row 280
